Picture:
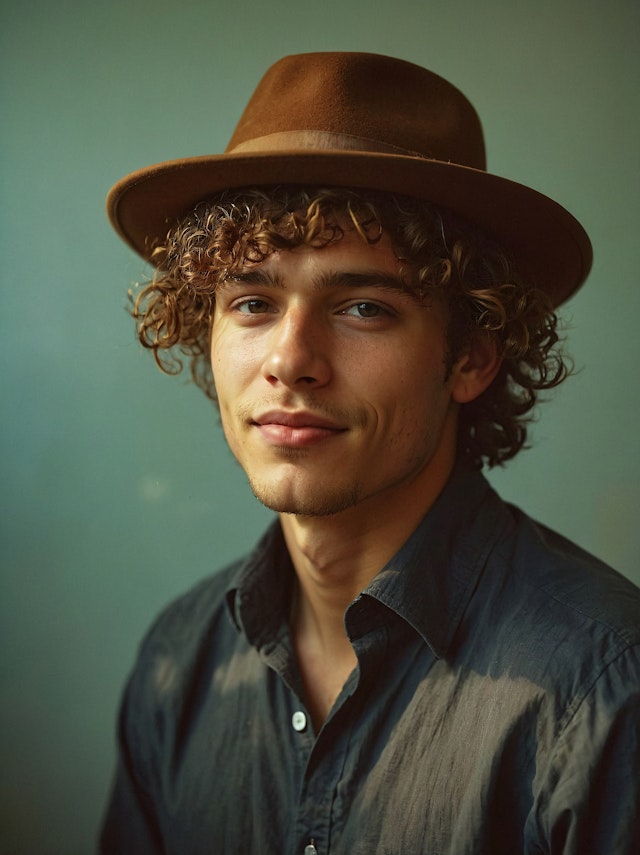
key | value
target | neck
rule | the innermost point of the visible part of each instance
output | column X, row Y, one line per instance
column 335, row 557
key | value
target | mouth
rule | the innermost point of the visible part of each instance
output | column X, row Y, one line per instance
column 296, row 429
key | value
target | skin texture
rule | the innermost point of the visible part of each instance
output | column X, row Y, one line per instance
column 335, row 399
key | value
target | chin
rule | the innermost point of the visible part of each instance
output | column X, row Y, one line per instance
column 311, row 504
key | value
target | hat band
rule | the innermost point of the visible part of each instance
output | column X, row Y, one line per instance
column 318, row 140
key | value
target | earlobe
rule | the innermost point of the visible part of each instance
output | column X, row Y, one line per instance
column 476, row 370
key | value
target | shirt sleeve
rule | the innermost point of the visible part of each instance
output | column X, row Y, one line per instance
column 130, row 825
column 590, row 799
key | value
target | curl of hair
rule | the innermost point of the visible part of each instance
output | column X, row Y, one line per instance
column 441, row 253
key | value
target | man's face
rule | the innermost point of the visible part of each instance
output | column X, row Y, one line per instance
column 331, row 379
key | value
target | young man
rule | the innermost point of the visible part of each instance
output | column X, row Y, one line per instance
column 403, row 664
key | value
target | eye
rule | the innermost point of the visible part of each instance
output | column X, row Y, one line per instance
column 365, row 310
column 252, row 307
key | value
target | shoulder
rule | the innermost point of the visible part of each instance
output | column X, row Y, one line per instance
column 185, row 641
column 572, row 627
column 210, row 609
column 200, row 631
column 567, row 581
column 558, row 617
column 192, row 614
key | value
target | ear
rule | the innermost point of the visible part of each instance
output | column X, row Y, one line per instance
column 476, row 369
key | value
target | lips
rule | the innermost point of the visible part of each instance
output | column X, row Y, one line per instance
column 296, row 429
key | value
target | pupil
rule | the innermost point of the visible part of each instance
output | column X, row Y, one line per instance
column 368, row 310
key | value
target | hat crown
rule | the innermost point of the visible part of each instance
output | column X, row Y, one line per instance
column 388, row 102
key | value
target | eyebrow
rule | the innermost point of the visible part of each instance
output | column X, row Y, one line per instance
column 333, row 279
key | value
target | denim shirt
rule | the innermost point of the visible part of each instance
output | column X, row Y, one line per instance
column 495, row 706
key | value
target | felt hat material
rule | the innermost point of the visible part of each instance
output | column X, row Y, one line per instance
column 364, row 121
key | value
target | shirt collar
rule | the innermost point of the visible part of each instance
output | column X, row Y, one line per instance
column 428, row 583
column 260, row 592
column 431, row 579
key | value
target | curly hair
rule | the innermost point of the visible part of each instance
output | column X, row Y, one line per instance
column 446, row 255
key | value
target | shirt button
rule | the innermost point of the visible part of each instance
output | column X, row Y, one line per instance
column 299, row 722
column 310, row 849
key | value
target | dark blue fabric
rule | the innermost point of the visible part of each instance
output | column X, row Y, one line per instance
column 495, row 707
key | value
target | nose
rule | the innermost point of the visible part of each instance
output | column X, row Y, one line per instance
column 297, row 351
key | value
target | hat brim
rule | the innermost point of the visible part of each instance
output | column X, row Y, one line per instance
column 549, row 244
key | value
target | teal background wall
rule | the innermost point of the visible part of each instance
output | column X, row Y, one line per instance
column 117, row 490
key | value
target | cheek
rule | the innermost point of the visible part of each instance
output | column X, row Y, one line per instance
column 225, row 360
column 222, row 369
column 235, row 354
column 419, row 399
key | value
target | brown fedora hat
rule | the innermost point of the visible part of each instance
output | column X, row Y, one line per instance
column 368, row 121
